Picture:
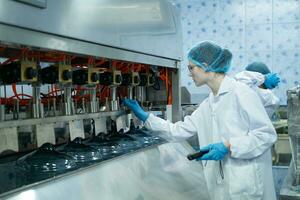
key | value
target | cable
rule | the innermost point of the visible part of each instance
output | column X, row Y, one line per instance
column 14, row 89
column 221, row 169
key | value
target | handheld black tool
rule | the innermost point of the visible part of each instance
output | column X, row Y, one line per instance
column 196, row 155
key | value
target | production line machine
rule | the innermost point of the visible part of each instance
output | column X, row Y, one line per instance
column 290, row 189
column 64, row 131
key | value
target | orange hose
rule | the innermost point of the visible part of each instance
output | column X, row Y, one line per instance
column 53, row 92
column 14, row 89
column 17, row 95
column 165, row 77
column 100, row 62
column 167, row 86
column 9, row 60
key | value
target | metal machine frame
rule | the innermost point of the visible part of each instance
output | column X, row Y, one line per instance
column 153, row 40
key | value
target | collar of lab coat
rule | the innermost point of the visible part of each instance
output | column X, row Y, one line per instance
column 224, row 87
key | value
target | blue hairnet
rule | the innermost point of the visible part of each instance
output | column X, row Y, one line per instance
column 258, row 67
column 210, row 57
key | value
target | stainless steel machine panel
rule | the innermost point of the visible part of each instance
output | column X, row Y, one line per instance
column 149, row 27
column 162, row 172
column 294, row 126
column 141, row 36
column 291, row 185
column 288, row 191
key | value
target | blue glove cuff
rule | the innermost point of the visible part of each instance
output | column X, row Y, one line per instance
column 142, row 115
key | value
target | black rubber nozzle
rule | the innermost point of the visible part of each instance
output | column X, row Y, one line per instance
column 196, row 155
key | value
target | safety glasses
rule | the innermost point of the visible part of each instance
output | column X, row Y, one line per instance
column 190, row 67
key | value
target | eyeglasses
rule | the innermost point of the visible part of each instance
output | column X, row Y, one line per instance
column 190, row 67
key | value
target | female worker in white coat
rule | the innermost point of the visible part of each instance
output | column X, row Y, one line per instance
column 262, row 81
column 231, row 123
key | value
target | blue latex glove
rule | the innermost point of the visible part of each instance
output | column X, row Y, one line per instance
column 271, row 80
column 217, row 151
column 136, row 109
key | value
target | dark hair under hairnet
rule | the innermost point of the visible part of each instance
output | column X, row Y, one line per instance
column 258, row 67
column 210, row 57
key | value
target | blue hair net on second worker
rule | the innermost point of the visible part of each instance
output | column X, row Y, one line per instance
column 210, row 57
column 258, row 67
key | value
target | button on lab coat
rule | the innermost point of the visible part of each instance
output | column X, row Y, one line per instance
column 237, row 115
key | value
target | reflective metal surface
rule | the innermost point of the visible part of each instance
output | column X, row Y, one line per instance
column 143, row 26
column 45, row 162
column 26, row 122
column 82, row 153
column 290, row 191
column 12, row 175
column 291, row 185
column 11, row 34
column 162, row 172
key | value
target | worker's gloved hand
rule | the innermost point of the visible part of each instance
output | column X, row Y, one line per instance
column 136, row 109
column 271, row 80
column 217, row 151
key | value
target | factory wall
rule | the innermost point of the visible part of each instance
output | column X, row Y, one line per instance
column 254, row 30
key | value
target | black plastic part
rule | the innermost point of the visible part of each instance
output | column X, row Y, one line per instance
column 94, row 77
column 30, row 73
column 66, row 75
column 49, row 75
column 106, row 78
column 143, row 80
column 80, row 77
column 81, row 152
column 136, row 80
column 118, row 79
column 151, row 80
column 10, row 73
column 132, row 126
column 126, row 79
column 196, row 155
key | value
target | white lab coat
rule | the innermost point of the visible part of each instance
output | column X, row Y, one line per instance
column 235, row 114
column 254, row 80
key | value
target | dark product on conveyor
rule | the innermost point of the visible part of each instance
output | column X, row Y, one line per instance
column 11, row 176
column 45, row 162
column 144, row 136
column 127, row 143
column 114, row 134
column 131, row 125
column 196, row 155
column 82, row 153
column 108, row 149
column 122, row 141
column 119, row 135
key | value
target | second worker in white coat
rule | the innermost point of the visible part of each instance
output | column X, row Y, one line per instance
column 259, row 77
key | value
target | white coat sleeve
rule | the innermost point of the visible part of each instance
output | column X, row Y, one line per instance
column 252, row 79
column 261, row 133
column 179, row 131
column 269, row 99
